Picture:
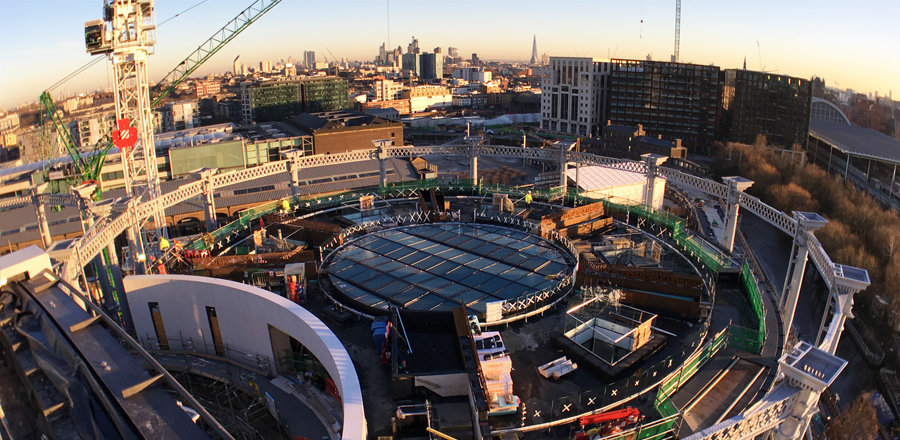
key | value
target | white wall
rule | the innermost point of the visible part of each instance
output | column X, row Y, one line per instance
column 632, row 194
column 244, row 314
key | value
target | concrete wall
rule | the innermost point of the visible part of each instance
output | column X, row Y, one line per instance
column 245, row 314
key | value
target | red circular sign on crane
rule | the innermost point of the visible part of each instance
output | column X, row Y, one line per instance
column 126, row 136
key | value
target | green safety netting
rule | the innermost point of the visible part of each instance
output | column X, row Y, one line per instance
column 674, row 382
column 751, row 339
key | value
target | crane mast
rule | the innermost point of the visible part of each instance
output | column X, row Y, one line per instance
column 677, row 30
column 128, row 42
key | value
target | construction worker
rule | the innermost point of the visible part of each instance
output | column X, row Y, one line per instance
column 286, row 206
column 528, row 198
column 163, row 244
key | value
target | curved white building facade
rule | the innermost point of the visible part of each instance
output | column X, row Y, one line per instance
column 245, row 317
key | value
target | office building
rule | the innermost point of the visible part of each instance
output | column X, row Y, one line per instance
column 475, row 60
column 573, row 93
column 675, row 100
column 236, row 66
column 761, row 103
column 534, row 55
column 431, row 66
column 413, row 47
column 278, row 99
column 410, row 64
column 309, row 59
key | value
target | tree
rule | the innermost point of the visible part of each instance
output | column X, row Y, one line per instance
column 792, row 197
column 858, row 422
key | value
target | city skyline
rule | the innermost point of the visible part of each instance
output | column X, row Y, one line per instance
column 831, row 41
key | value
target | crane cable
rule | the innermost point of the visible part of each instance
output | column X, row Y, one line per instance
column 96, row 60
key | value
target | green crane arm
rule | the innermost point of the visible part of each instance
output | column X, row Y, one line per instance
column 52, row 113
column 206, row 50
column 89, row 166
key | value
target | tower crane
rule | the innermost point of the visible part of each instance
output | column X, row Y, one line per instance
column 126, row 34
column 677, row 30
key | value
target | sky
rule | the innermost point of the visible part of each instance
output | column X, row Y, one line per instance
column 850, row 45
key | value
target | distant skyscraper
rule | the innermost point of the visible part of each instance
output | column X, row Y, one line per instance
column 475, row 60
column 382, row 55
column 309, row 59
column 237, row 65
column 534, row 55
column 453, row 53
column 431, row 66
column 413, row 47
column 411, row 63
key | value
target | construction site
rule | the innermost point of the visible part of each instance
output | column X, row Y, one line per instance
column 405, row 296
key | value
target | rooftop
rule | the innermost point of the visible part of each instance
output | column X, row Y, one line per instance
column 858, row 141
column 312, row 122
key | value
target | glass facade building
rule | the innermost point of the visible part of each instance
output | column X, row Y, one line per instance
column 675, row 100
column 760, row 103
column 275, row 100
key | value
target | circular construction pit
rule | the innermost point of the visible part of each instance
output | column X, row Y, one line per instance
column 438, row 266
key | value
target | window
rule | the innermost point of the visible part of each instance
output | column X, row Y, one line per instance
column 158, row 326
column 214, row 330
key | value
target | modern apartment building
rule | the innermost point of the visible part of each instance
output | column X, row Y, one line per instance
column 573, row 95
column 278, row 99
column 761, row 103
column 385, row 89
column 674, row 100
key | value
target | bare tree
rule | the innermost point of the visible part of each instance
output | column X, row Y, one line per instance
column 857, row 422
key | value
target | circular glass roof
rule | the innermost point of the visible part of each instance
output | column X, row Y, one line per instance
column 437, row 266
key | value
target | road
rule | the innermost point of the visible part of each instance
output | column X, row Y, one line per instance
column 772, row 248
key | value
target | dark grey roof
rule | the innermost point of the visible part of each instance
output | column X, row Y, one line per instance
column 311, row 122
column 650, row 140
column 619, row 129
column 856, row 141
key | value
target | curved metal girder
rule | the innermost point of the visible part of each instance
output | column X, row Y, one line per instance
column 94, row 241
